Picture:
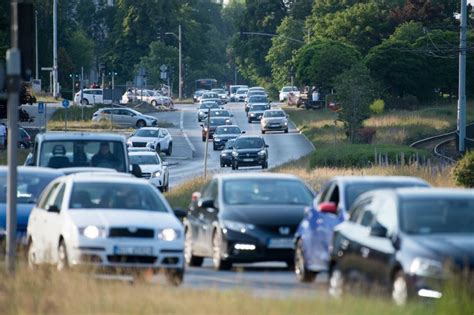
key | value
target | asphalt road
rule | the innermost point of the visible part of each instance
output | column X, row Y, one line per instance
column 187, row 161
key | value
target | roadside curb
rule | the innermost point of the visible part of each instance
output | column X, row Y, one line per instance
column 181, row 127
column 301, row 133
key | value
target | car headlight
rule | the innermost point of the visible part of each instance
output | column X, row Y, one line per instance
column 223, row 154
column 92, row 231
column 426, row 267
column 235, row 154
column 129, row 143
column 205, row 129
column 262, row 153
column 157, row 174
column 217, row 139
column 286, row 123
column 168, row 234
column 238, row 226
column 252, row 114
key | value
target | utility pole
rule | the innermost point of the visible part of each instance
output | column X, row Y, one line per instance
column 462, row 77
column 13, row 59
column 180, row 94
column 207, row 140
column 55, row 49
column 36, row 44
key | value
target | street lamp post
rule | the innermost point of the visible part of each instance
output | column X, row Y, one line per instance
column 55, row 49
column 36, row 44
column 180, row 66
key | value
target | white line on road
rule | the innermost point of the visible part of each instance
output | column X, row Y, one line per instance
column 181, row 126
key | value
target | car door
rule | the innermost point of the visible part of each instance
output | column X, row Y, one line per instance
column 203, row 219
column 53, row 222
column 163, row 139
column 210, row 216
column 195, row 219
column 99, row 97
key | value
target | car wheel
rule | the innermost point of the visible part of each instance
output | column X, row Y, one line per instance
column 31, row 255
column 302, row 273
column 400, row 289
column 189, row 258
column 217, row 261
column 222, row 164
column 203, row 139
column 85, row 102
column 286, row 130
column 63, row 262
column 141, row 123
column 235, row 166
column 249, row 121
column 336, row 283
column 154, row 103
column 214, row 146
column 158, row 148
column 170, row 149
column 174, row 276
column 232, row 165
column 265, row 165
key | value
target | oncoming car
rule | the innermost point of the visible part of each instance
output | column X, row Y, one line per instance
column 108, row 222
column 152, row 167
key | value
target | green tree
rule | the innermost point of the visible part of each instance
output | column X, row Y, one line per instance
column 355, row 92
column 408, row 31
column 319, row 62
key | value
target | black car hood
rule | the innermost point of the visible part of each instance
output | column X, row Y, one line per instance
column 243, row 151
column 265, row 215
column 459, row 247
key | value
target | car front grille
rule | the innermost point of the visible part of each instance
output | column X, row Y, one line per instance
column 146, row 175
column 129, row 232
column 277, row 230
column 139, row 144
column 131, row 259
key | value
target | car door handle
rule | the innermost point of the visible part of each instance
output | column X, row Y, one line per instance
column 365, row 252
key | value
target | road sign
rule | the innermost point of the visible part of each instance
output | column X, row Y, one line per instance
column 65, row 103
column 163, row 68
column 163, row 75
column 40, row 108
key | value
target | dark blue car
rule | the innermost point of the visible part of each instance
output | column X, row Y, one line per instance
column 314, row 234
column 31, row 182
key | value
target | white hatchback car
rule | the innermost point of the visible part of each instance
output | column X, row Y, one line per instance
column 159, row 138
column 108, row 222
column 124, row 116
column 152, row 167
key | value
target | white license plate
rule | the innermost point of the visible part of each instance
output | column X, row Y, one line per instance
column 133, row 250
column 281, row 243
column 248, row 160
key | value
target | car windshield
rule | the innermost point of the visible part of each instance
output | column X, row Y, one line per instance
column 30, row 185
column 234, row 89
column 198, row 93
column 229, row 144
column 147, row 133
column 242, row 91
column 144, row 159
column 437, row 215
column 217, row 121
column 223, row 113
column 109, row 195
column 219, row 91
column 81, row 153
column 210, row 95
column 276, row 113
column 227, row 130
column 248, row 143
column 266, row 192
column 258, row 99
column 355, row 190
column 209, row 105
column 258, row 108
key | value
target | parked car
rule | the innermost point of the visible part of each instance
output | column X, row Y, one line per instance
column 283, row 95
column 31, row 182
column 222, row 94
column 160, row 139
column 152, row 167
column 255, row 112
column 124, row 116
column 240, row 94
column 224, row 134
column 406, row 240
column 274, row 120
column 204, row 108
column 89, row 97
column 106, row 221
column 245, row 218
column 249, row 151
column 24, row 139
column 211, row 127
column 81, row 149
column 256, row 99
column 225, row 157
column 330, row 208
column 233, row 89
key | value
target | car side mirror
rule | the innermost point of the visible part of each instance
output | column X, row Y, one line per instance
column 328, row 207
column 378, row 230
column 53, row 209
column 136, row 170
column 267, row 146
column 29, row 160
column 180, row 213
column 202, row 126
column 243, row 131
column 206, row 203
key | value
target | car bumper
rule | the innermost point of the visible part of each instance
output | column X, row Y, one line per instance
column 157, row 182
column 243, row 161
column 104, row 254
column 220, row 144
column 279, row 127
column 226, row 159
column 424, row 287
column 256, row 117
column 241, row 247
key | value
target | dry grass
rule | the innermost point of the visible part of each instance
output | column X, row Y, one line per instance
column 81, row 125
column 22, row 154
column 180, row 196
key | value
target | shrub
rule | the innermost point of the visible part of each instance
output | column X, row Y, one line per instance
column 463, row 171
column 377, row 107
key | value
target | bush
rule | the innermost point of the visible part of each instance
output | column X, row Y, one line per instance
column 74, row 113
column 365, row 135
column 463, row 171
column 377, row 107
column 361, row 155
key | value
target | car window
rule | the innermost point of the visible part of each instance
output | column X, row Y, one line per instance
column 367, row 215
column 386, row 214
column 324, row 191
column 147, row 133
column 207, row 191
column 58, row 201
column 248, row 143
column 357, row 209
column 47, row 196
column 334, row 195
column 144, row 159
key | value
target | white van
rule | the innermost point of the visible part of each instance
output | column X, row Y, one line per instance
column 89, row 96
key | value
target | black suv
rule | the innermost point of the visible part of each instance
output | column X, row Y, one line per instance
column 249, row 151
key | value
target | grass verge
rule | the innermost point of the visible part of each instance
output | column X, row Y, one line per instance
column 180, row 196
column 22, row 154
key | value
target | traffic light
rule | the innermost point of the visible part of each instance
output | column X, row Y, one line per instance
column 26, row 40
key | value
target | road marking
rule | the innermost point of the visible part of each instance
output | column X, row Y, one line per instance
column 181, row 126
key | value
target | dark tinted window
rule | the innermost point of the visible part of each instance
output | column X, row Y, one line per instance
column 30, row 185
column 258, row 99
column 227, row 130
column 248, row 143
column 274, row 113
column 144, row 159
column 258, row 108
column 437, row 215
column 218, row 121
column 147, row 133
column 222, row 113
column 266, row 191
